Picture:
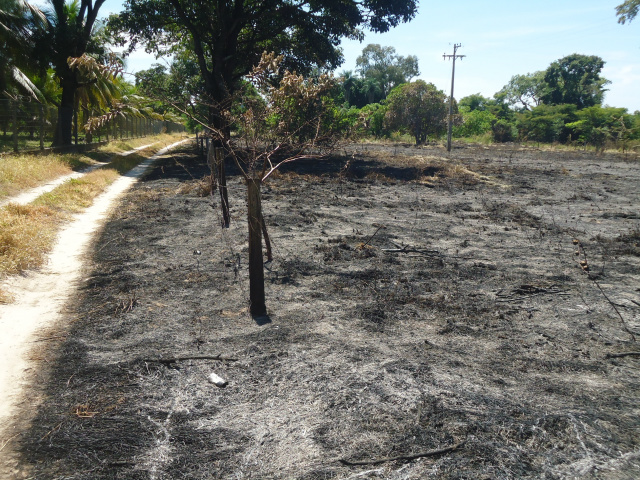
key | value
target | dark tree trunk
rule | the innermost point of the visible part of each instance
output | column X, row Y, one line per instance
column 64, row 126
column 222, row 185
column 222, row 128
column 256, row 266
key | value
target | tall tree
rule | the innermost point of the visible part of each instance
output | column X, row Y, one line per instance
column 627, row 11
column 475, row 101
column 69, row 34
column 229, row 37
column 524, row 91
column 418, row 108
column 575, row 79
column 384, row 66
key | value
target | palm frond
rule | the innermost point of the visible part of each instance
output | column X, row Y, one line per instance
column 24, row 83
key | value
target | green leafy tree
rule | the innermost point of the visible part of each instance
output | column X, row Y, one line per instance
column 576, row 80
column 474, row 122
column 474, row 102
column 418, row 108
column 546, row 123
column 627, row 11
column 524, row 91
column 372, row 120
column 227, row 38
column 386, row 68
column 597, row 125
column 503, row 131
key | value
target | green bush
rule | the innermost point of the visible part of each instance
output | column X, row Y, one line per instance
column 546, row 123
column 503, row 131
column 474, row 123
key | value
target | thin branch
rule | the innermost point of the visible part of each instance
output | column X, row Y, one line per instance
column 431, row 453
column 170, row 360
column 623, row 354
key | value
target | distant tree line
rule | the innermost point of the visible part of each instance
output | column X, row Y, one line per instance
column 562, row 104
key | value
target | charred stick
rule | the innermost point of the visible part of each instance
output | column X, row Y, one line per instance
column 170, row 360
column 431, row 453
column 623, row 354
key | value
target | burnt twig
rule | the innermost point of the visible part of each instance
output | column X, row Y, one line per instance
column 374, row 234
column 377, row 461
column 171, row 360
column 622, row 354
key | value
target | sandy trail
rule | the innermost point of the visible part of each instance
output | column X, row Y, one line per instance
column 30, row 195
column 40, row 295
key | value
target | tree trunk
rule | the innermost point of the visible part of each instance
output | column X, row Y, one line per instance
column 63, row 133
column 221, row 126
column 218, row 169
column 256, row 267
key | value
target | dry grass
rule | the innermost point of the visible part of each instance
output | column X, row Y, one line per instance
column 20, row 172
column 28, row 232
column 200, row 187
column 26, row 235
column 436, row 169
column 77, row 194
column 120, row 146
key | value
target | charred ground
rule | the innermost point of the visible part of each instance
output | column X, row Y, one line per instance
column 417, row 300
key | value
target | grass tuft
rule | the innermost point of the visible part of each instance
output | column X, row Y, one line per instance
column 27, row 233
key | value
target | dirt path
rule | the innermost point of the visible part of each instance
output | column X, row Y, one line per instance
column 30, row 195
column 417, row 300
column 40, row 295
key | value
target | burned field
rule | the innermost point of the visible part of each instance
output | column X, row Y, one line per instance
column 418, row 302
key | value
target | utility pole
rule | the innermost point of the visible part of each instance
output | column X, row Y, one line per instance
column 453, row 74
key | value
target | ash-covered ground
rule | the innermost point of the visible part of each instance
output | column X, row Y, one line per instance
column 417, row 301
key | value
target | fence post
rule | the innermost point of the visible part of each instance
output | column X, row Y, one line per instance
column 14, row 120
column 75, row 125
column 41, row 127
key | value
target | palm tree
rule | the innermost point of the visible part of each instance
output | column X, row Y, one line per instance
column 69, row 34
column 19, row 20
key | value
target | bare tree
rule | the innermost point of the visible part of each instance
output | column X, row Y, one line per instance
column 292, row 118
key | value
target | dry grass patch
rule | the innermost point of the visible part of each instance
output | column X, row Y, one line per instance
column 77, row 194
column 20, row 172
column 200, row 187
column 119, row 146
column 26, row 235
column 28, row 232
column 436, row 169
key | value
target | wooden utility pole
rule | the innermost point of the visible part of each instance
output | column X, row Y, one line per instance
column 453, row 74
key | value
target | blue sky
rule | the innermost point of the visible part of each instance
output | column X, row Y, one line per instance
column 501, row 39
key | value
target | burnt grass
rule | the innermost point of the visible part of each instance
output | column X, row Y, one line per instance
column 417, row 300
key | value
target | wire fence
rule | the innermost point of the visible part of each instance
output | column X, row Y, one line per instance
column 29, row 125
